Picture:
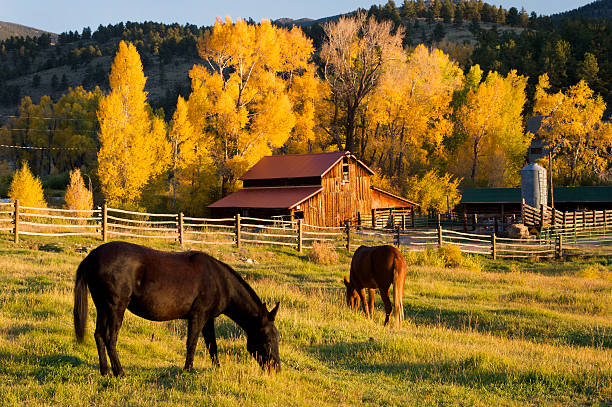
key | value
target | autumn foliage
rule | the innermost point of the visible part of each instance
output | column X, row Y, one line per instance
column 429, row 125
column 133, row 141
column 78, row 196
column 26, row 188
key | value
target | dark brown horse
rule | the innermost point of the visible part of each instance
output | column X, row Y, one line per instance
column 162, row 286
column 377, row 267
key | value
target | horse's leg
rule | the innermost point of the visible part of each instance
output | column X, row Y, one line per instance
column 364, row 302
column 211, row 340
column 195, row 325
column 384, row 293
column 371, row 293
column 99, row 335
column 113, row 324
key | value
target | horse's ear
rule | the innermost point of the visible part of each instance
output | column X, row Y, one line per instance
column 272, row 314
column 346, row 282
column 263, row 311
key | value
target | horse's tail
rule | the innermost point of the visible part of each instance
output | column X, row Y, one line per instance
column 399, row 275
column 80, row 301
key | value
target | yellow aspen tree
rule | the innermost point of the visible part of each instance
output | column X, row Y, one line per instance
column 183, row 144
column 434, row 192
column 27, row 188
column 491, row 122
column 133, row 141
column 573, row 128
column 241, row 106
column 78, row 197
column 411, row 111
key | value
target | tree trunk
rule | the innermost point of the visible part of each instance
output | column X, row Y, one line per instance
column 475, row 161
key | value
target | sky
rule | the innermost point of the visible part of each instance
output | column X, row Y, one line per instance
column 69, row 15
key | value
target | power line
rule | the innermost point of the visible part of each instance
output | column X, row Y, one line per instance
column 46, row 130
column 46, row 148
column 45, row 118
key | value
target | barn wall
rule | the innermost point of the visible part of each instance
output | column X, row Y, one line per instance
column 380, row 200
column 339, row 201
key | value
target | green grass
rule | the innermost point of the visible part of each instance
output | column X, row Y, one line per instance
column 515, row 333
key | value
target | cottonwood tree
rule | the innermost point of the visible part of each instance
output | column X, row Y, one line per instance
column 409, row 114
column 573, row 128
column 133, row 141
column 355, row 55
column 242, row 101
column 490, row 123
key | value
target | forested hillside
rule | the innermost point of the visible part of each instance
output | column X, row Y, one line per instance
column 434, row 98
column 600, row 9
column 8, row 30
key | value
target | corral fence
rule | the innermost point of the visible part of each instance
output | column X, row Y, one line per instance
column 107, row 223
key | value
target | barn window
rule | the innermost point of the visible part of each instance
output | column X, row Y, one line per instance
column 345, row 169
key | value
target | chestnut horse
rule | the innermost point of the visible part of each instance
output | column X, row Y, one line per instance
column 161, row 286
column 377, row 267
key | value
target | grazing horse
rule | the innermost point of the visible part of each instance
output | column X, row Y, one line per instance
column 377, row 267
column 161, row 286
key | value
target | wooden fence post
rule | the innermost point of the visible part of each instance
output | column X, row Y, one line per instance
column 16, row 221
column 494, row 246
column 560, row 246
column 348, row 234
column 439, row 235
column 398, row 237
column 104, row 223
column 594, row 218
column 359, row 218
column 180, row 229
column 465, row 223
column 404, row 221
column 564, row 220
column 412, row 216
column 374, row 218
column 554, row 218
column 541, row 217
column 238, row 231
column 523, row 212
column 299, row 236
column 605, row 220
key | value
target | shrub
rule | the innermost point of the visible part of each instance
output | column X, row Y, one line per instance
column 323, row 253
column 27, row 188
column 451, row 255
column 595, row 271
column 78, row 197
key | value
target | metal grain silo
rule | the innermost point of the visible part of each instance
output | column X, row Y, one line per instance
column 533, row 185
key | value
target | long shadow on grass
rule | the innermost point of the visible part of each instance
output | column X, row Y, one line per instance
column 511, row 323
column 475, row 370
column 58, row 367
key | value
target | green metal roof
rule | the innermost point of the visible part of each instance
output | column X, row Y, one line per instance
column 561, row 194
column 491, row 195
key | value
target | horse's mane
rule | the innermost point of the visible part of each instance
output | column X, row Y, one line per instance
column 238, row 277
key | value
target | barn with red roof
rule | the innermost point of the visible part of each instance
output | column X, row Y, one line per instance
column 324, row 189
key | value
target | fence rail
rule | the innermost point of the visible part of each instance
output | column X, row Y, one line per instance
column 106, row 223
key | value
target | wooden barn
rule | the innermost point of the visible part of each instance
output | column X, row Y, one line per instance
column 324, row 189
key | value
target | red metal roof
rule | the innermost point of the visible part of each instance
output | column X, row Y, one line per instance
column 296, row 165
column 271, row 197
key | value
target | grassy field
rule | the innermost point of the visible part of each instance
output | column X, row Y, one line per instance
column 511, row 334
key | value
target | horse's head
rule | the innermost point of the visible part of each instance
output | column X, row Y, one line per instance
column 352, row 297
column 262, row 341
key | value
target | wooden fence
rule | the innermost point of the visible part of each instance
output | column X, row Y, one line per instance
column 546, row 217
column 107, row 223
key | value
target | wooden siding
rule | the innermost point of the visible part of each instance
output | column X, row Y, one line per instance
column 382, row 200
column 339, row 201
